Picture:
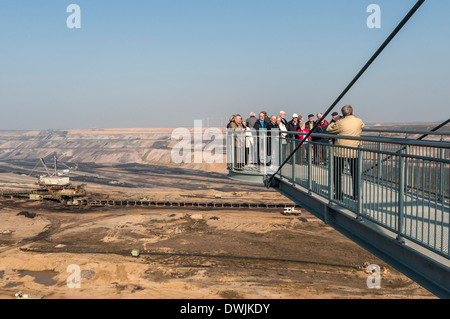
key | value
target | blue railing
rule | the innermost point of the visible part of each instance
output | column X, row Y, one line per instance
column 400, row 184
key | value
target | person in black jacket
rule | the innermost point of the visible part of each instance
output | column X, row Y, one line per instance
column 292, row 138
column 320, row 151
column 310, row 124
column 261, row 126
column 273, row 123
column 270, row 127
column 293, row 126
column 335, row 117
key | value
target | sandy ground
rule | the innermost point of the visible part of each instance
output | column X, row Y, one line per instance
column 185, row 253
column 192, row 254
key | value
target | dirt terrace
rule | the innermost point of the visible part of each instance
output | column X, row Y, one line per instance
column 183, row 254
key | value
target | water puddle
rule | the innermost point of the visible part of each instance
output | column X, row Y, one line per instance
column 41, row 277
column 12, row 284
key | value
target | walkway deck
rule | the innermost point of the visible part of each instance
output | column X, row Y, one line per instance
column 425, row 221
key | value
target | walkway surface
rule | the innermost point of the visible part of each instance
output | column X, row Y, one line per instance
column 426, row 220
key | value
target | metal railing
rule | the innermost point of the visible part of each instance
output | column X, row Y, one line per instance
column 400, row 184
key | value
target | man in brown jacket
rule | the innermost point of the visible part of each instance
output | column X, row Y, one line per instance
column 345, row 150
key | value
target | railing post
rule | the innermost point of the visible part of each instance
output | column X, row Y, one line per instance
column 331, row 173
column 309, row 167
column 442, row 197
column 401, row 195
column 442, row 175
column 233, row 149
column 230, row 149
column 406, row 163
column 293, row 160
column 359, row 189
column 379, row 162
column 280, row 148
column 264, row 151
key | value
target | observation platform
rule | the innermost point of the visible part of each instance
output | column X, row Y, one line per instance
column 394, row 197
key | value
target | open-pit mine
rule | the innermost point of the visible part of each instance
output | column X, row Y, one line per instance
column 149, row 228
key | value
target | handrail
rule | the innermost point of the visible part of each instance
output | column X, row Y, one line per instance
column 424, row 172
column 401, row 207
column 402, row 141
column 406, row 132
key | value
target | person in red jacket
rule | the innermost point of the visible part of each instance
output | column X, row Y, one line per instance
column 303, row 152
column 303, row 129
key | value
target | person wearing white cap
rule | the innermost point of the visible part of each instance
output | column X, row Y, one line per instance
column 293, row 125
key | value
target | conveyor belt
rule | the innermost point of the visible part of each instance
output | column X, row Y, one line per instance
column 210, row 205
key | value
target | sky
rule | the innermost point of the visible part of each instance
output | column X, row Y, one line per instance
column 166, row 63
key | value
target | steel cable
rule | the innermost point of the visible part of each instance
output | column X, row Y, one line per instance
column 363, row 70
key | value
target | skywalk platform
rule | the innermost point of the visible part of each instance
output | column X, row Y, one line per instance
column 402, row 212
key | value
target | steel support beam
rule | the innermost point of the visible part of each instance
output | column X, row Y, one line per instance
column 414, row 261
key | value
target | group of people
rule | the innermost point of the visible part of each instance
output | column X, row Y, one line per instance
column 287, row 128
column 296, row 124
column 258, row 132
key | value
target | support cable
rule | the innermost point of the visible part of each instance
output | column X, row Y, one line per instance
column 404, row 147
column 363, row 70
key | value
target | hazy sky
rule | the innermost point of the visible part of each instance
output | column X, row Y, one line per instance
column 166, row 63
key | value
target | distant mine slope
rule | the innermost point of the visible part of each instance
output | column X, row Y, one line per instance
column 102, row 146
column 121, row 145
